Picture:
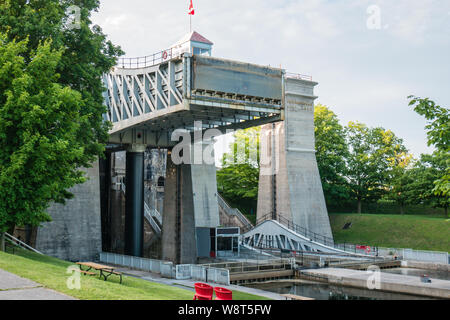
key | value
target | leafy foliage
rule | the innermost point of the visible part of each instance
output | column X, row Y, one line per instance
column 438, row 132
column 375, row 153
column 331, row 152
column 39, row 146
column 85, row 56
column 438, row 127
column 421, row 181
column 51, row 103
column 238, row 178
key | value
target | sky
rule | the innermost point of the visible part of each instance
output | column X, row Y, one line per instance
column 368, row 56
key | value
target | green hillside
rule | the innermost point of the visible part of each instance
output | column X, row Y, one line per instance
column 52, row 274
column 393, row 231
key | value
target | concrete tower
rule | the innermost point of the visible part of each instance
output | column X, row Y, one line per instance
column 289, row 184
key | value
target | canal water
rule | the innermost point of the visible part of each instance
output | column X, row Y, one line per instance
column 443, row 275
column 325, row 291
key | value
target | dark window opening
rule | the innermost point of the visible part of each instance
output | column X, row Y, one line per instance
column 224, row 244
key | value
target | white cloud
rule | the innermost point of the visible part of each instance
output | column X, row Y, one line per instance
column 359, row 71
column 115, row 22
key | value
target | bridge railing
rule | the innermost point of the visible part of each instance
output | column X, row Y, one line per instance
column 316, row 237
column 153, row 59
column 298, row 76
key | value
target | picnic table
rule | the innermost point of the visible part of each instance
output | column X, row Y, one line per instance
column 105, row 271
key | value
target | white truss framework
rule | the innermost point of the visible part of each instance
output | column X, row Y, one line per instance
column 272, row 234
column 135, row 92
column 145, row 105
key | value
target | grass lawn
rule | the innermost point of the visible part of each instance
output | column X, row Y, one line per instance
column 393, row 231
column 51, row 273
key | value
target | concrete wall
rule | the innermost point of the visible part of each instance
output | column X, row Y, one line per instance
column 292, row 179
column 178, row 231
column 196, row 208
column 229, row 221
column 75, row 232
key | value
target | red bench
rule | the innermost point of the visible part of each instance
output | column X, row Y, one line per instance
column 223, row 294
column 203, row 291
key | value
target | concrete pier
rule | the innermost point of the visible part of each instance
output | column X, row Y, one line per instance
column 190, row 204
column 289, row 182
column 388, row 282
column 75, row 230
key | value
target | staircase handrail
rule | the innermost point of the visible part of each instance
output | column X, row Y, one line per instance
column 234, row 212
column 153, row 212
column 20, row 243
column 313, row 236
column 148, row 213
column 150, row 219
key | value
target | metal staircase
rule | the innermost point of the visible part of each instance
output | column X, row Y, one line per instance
column 233, row 212
column 152, row 215
column 279, row 232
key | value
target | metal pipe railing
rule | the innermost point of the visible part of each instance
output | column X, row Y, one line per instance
column 313, row 236
column 153, row 59
column 20, row 243
column 233, row 212
column 298, row 76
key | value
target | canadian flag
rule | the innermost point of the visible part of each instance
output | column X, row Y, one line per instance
column 191, row 9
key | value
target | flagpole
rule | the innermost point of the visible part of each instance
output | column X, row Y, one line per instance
column 191, row 13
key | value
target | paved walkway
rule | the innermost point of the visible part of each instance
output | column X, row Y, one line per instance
column 13, row 287
column 189, row 284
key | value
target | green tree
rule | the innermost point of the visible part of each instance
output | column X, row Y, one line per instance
column 422, row 177
column 401, row 179
column 331, row 152
column 85, row 56
column 438, row 133
column 374, row 155
column 238, row 178
column 39, row 122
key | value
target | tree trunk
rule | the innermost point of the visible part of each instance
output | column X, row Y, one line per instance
column 2, row 242
column 359, row 206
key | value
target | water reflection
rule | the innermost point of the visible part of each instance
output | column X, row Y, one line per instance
column 325, row 291
column 443, row 275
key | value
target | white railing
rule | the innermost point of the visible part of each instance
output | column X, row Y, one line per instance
column 168, row 270
column 151, row 265
column 149, row 214
column 153, row 212
column 202, row 273
column 153, row 59
column 416, row 255
column 298, row 76
column 149, row 217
